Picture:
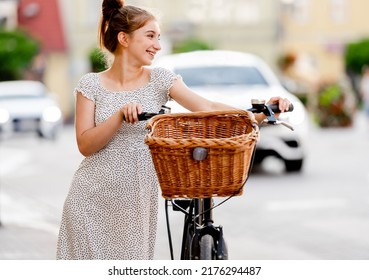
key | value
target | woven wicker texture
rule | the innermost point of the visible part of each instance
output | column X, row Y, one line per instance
column 228, row 136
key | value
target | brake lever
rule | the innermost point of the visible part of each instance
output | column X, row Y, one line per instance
column 274, row 121
column 285, row 124
column 259, row 106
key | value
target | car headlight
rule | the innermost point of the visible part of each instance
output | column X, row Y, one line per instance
column 51, row 114
column 4, row 116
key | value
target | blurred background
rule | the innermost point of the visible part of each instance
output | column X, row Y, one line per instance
column 317, row 48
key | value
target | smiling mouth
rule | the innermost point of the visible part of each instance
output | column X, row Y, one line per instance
column 151, row 53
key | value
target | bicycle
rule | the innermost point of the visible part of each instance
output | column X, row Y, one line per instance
column 201, row 239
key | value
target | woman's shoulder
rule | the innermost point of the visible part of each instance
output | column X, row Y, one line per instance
column 161, row 72
column 163, row 78
column 89, row 77
column 87, row 85
column 88, row 80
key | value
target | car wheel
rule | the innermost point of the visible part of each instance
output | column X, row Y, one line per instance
column 293, row 165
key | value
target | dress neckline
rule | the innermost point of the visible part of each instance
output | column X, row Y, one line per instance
column 124, row 91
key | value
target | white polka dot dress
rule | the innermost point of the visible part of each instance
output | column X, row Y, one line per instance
column 111, row 209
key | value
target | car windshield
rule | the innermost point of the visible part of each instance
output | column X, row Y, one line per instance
column 221, row 76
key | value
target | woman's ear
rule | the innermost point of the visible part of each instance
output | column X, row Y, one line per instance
column 123, row 39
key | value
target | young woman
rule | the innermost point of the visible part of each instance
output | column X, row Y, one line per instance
column 111, row 209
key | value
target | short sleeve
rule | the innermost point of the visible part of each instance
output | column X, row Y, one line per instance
column 87, row 86
column 164, row 79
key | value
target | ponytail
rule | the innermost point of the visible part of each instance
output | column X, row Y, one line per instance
column 117, row 17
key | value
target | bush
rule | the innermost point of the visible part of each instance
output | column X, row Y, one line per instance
column 17, row 50
column 191, row 45
column 97, row 60
column 333, row 110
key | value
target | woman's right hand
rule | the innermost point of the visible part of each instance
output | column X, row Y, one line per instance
column 130, row 112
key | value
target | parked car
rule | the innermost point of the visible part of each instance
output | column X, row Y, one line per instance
column 235, row 78
column 28, row 106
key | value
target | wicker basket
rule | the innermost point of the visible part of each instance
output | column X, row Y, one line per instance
column 228, row 136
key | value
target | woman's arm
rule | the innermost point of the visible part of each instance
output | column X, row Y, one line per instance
column 193, row 102
column 90, row 137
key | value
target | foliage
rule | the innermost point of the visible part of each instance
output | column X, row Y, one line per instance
column 331, row 93
column 17, row 50
column 97, row 60
column 357, row 55
column 332, row 108
column 192, row 44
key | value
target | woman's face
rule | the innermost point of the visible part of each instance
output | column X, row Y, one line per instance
column 144, row 43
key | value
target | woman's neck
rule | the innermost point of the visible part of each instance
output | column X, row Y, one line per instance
column 124, row 72
column 124, row 76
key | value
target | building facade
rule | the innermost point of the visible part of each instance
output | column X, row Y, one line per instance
column 319, row 31
column 315, row 31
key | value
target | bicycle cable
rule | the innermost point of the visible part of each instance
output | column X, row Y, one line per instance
column 168, row 230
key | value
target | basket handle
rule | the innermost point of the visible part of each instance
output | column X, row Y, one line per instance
column 151, row 121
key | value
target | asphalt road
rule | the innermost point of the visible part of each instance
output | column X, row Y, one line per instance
column 321, row 213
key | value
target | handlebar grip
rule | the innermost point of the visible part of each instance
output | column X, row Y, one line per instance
column 275, row 108
column 146, row 115
column 142, row 116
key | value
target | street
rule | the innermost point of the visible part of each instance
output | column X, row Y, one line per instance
column 319, row 214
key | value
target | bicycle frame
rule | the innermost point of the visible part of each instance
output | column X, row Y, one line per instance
column 198, row 221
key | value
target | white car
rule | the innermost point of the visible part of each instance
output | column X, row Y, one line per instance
column 235, row 78
column 28, row 106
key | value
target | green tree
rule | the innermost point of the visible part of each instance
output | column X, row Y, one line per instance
column 17, row 50
column 357, row 55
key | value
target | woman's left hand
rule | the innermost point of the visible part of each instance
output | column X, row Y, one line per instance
column 283, row 103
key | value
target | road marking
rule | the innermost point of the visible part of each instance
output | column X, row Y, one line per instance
column 306, row 204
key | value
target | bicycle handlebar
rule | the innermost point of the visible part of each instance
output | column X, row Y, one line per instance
column 145, row 116
column 258, row 106
column 275, row 108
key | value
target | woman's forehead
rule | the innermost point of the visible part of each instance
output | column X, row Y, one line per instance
column 151, row 25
